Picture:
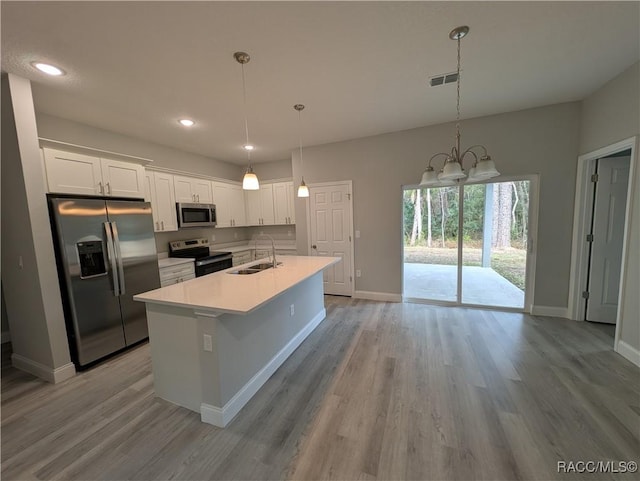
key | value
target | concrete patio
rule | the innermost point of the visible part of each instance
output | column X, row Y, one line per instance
column 480, row 285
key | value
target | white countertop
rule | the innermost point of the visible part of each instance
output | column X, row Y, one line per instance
column 238, row 294
column 174, row 261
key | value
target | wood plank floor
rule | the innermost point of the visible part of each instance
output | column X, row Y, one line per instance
column 379, row 391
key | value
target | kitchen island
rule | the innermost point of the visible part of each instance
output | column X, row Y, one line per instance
column 215, row 340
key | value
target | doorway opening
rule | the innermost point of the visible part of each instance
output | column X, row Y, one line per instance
column 584, row 271
column 489, row 263
column 606, row 236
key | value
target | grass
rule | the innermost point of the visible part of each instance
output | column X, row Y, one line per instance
column 509, row 263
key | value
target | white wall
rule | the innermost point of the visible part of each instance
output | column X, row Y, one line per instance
column 610, row 114
column 542, row 140
column 280, row 169
column 31, row 289
column 75, row 133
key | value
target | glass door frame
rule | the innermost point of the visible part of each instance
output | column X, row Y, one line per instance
column 532, row 237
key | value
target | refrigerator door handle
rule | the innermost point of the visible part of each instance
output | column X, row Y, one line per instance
column 112, row 258
column 116, row 242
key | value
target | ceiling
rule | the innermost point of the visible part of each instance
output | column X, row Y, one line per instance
column 361, row 68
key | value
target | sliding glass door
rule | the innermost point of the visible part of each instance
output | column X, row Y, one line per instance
column 431, row 244
column 487, row 264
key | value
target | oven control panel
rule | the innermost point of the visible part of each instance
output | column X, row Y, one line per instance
column 188, row 244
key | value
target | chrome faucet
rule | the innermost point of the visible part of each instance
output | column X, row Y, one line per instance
column 273, row 246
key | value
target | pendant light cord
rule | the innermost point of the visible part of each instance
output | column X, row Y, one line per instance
column 458, row 104
column 244, row 104
column 300, row 136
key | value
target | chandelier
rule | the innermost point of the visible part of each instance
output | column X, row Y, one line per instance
column 250, row 179
column 452, row 171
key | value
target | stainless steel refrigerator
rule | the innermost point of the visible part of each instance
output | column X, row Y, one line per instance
column 106, row 253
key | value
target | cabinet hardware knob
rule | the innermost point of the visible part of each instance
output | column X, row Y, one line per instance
column 162, row 223
column 109, row 188
column 100, row 187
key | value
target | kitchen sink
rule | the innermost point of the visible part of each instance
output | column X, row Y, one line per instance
column 254, row 269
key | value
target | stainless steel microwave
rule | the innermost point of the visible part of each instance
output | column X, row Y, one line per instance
column 196, row 215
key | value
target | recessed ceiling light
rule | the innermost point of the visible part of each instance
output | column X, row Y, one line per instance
column 186, row 122
column 248, row 147
column 48, row 69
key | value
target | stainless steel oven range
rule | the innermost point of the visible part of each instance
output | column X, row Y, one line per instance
column 206, row 262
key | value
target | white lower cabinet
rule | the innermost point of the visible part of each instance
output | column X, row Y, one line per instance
column 178, row 273
column 242, row 257
column 71, row 173
column 159, row 192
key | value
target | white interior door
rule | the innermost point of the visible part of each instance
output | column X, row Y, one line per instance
column 331, row 226
column 608, row 231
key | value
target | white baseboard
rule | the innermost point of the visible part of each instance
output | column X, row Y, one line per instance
column 550, row 311
column 53, row 376
column 628, row 352
column 378, row 296
column 5, row 337
column 222, row 416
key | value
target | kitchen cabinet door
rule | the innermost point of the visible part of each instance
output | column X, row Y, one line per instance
column 238, row 211
column 192, row 190
column 266, row 203
column 165, row 201
column 202, row 190
column 260, row 206
column 69, row 173
column 183, row 190
column 159, row 192
column 122, row 179
column 221, row 199
column 283, row 198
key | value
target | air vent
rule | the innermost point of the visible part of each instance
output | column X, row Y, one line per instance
column 443, row 79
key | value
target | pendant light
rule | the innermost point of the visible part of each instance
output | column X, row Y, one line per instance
column 250, row 179
column 303, row 190
column 452, row 171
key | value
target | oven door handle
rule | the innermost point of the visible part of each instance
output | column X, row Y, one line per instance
column 213, row 261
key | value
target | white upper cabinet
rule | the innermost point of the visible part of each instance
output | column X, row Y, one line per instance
column 71, row 173
column 159, row 191
column 238, row 211
column 192, row 190
column 229, row 201
column 283, row 203
column 122, row 179
column 260, row 206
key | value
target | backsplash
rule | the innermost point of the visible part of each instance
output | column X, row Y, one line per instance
column 225, row 235
column 222, row 236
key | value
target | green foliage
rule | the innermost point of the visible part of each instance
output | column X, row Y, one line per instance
column 444, row 203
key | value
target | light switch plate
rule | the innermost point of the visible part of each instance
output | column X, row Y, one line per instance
column 207, row 343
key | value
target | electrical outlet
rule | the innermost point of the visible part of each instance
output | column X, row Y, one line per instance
column 358, row 273
column 207, row 343
column 20, row 263
column 235, row 235
column 292, row 310
column 289, row 233
column 213, row 237
column 357, row 234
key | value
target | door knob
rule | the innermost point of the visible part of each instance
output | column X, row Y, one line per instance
column 314, row 246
